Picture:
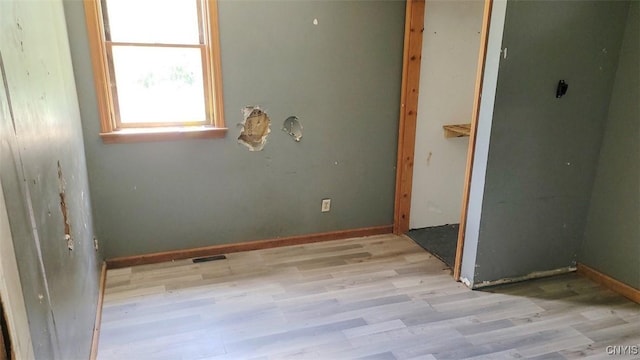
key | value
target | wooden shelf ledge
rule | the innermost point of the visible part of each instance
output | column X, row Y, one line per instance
column 458, row 130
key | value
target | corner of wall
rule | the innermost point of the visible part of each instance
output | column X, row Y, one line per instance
column 483, row 134
column 612, row 228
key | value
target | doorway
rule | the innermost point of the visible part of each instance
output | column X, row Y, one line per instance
column 440, row 103
column 451, row 40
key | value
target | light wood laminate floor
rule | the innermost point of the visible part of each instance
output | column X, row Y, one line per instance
column 379, row 297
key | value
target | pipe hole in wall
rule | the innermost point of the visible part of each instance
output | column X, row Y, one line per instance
column 293, row 127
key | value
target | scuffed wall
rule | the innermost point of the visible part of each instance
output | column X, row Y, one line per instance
column 44, row 179
column 612, row 236
column 336, row 65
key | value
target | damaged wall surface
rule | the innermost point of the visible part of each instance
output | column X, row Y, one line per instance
column 44, row 179
column 612, row 235
column 543, row 151
column 337, row 65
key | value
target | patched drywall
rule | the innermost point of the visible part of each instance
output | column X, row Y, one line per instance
column 450, row 47
column 44, row 179
column 543, row 151
column 612, row 235
column 335, row 64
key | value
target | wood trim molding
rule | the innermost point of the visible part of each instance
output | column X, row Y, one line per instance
column 216, row 101
column 162, row 134
column 482, row 56
column 158, row 257
column 414, row 27
column 96, row 327
column 93, row 18
column 607, row 281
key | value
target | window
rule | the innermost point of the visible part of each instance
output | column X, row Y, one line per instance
column 157, row 68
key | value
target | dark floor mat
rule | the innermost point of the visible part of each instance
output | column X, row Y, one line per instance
column 438, row 240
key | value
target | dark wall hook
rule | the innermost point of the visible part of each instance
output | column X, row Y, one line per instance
column 562, row 89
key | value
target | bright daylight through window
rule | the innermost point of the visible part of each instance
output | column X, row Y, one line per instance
column 157, row 68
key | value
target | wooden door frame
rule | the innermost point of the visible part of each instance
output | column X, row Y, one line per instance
column 414, row 28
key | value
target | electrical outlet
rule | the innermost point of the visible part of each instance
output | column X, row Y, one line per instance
column 326, row 205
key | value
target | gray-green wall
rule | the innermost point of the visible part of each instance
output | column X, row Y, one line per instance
column 543, row 151
column 612, row 236
column 40, row 133
column 341, row 78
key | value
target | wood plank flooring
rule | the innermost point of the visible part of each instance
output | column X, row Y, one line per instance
column 379, row 297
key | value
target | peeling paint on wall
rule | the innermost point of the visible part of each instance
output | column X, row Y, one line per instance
column 64, row 210
column 255, row 128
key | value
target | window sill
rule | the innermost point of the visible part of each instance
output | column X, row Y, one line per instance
column 162, row 134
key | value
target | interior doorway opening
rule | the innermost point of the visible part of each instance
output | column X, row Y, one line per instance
column 438, row 122
column 451, row 41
